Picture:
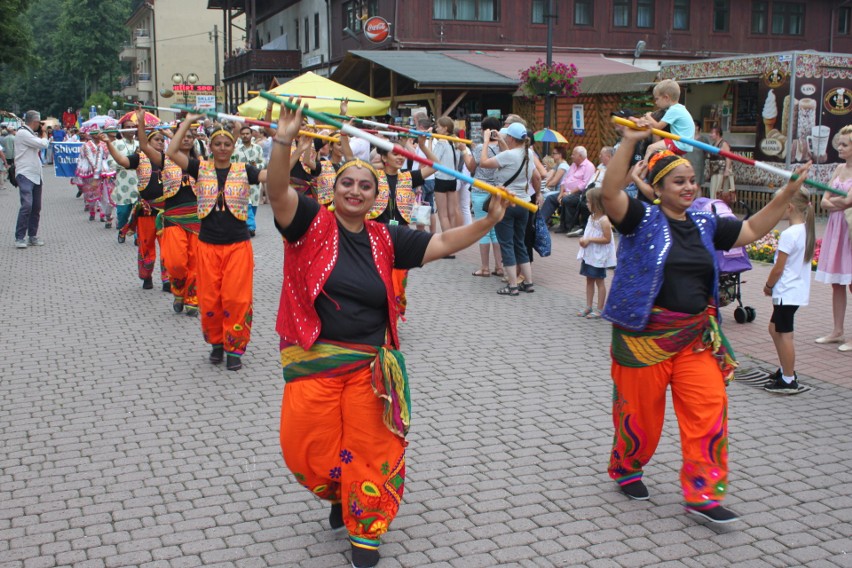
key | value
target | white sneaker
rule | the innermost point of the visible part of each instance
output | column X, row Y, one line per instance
column 21, row 244
column 36, row 241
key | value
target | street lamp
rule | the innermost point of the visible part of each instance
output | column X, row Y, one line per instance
column 191, row 79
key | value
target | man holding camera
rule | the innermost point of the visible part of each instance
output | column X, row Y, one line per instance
column 29, row 141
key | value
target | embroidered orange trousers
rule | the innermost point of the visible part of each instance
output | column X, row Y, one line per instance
column 335, row 443
column 701, row 404
column 146, row 235
column 225, row 279
column 178, row 251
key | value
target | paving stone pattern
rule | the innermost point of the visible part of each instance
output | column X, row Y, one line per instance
column 122, row 446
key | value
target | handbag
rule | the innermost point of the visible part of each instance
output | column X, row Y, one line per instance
column 542, row 243
column 12, row 175
column 487, row 203
column 728, row 190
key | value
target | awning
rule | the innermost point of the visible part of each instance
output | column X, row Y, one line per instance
column 483, row 70
column 313, row 84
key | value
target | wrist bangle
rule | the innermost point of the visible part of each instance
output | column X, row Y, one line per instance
column 278, row 140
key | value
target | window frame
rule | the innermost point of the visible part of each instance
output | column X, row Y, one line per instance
column 625, row 4
column 844, row 20
column 688, row 13
column 788, row 11
column 316, row 30
column 727, row 11
column 495, row 5
column 760, row 7
column 646, row 4
column 590, row 5
column 543, row 12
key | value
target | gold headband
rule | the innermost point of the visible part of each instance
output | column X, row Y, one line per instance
column 360, row 164
column 221, row 131
column 152, row 133
column 668, row 168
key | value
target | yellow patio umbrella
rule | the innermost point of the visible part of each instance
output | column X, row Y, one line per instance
column 316, row 85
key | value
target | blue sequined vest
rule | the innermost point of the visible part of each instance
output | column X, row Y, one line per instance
column 641, row 259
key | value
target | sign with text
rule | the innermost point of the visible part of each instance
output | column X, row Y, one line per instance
column 205, row 101
column 376, row 29
column 65, row 156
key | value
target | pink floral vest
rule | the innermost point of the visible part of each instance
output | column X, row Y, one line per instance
column 236, row 190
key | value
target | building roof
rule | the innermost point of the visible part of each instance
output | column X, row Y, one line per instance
column 435, row 68
column 483, row 69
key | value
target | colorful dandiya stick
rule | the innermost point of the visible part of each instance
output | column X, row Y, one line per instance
column 371, row 131
column 149, row 107
column 397, row 149
column 319, row 97
column 255, row 122
column 401, row 129
column 730, row 155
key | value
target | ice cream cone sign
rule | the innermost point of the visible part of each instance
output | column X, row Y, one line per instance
column 770, row 111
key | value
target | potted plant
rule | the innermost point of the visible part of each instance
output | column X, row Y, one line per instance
column 554, row 79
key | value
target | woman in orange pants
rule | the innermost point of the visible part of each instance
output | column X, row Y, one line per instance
column 143, row 216
column 177, row 223
column 225, row 257
column 345, row 410
column 666, row 328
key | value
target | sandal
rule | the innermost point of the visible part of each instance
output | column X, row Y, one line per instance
column 498, row 271
column 584, row 313
column 508, row 291
column 528, row 287
column 593, row 315
column 482, row 272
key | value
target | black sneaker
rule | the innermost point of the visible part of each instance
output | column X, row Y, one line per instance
column 335, row 517
column 147, row 284
column 778, row 386
column 636, row 490
column 364, row 557
column 167, row 287
column 177, row 305
column 234, row 363
column 717, row 514
column 192, row 311
column 217, row 355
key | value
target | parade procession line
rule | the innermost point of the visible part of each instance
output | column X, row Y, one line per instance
column 122, row 446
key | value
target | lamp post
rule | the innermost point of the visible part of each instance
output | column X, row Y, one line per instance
column 191, row 79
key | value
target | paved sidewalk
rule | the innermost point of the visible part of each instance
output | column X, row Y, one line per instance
column 122, row 446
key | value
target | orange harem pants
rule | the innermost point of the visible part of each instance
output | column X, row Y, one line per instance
column 335, row 443
column 701, row 405
column 146, row 235
column 225, row 279
column 178, row 251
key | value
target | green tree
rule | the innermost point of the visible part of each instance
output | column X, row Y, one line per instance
column 15, row 36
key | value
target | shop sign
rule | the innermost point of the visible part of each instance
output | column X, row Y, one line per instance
column 377, row 29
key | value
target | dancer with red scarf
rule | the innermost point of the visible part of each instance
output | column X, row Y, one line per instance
column 345, row 410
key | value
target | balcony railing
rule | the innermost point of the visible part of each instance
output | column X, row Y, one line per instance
column 128, row 53
column 264, row 61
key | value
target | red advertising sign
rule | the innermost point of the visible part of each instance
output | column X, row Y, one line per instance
column 377, row 29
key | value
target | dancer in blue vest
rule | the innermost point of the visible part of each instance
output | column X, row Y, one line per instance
column 666, row 329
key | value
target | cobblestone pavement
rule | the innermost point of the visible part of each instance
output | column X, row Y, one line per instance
column 122, row 446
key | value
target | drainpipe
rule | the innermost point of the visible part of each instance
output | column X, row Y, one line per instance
column 154, row 42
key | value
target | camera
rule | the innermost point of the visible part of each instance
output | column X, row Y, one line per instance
column 495, row 135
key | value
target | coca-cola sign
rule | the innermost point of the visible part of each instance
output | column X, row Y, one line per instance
column 377, row 29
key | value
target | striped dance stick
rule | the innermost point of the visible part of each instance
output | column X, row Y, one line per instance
column 397, row 149
column 730, row 155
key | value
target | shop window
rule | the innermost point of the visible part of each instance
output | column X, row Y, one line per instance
column 356, row 11
column 584, row 14
column 644, row 13
column 680, row 19
column 721, row 15
column 759, row 17
column 621, row 13
column 538, row 9
column 788, row 18
column 467, row 10
column 844, row 16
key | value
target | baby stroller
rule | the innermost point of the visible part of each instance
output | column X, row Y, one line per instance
column 732, row 263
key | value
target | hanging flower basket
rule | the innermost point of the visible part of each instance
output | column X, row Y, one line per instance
column 554, row 79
